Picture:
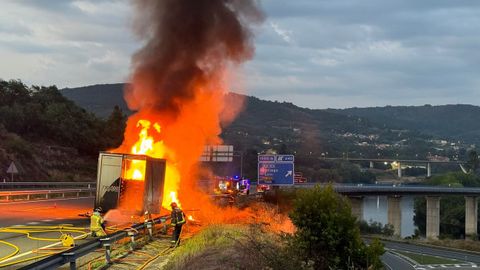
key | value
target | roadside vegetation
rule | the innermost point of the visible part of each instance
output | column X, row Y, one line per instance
column 326, row 236
column 376, row 228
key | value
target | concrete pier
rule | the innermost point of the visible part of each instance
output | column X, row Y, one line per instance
column 471, row 215
column 371, row 164
column 357, row 207
column 429, row 170
column 395, row 214
column 399, row 170
column 433, row 217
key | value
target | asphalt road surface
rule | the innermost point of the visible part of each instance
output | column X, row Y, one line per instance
column 39, row 213
column 466, row 260
column 394, row 262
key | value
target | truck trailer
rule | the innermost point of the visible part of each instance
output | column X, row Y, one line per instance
column 131, row 183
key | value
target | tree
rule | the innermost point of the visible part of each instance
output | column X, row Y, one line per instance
column 283, row 150
column 473, row 161
column 115, row 127
column 452, row 219
column 327, row 233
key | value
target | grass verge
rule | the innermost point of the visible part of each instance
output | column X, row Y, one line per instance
column 213, row 243
column 427, row 259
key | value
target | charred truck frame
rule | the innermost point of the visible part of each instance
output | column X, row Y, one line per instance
column 132, row 183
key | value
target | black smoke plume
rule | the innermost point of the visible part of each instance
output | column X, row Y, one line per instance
column 187, row 42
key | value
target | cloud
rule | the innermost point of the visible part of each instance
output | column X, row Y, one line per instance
column 284, row 34
column 314, row 53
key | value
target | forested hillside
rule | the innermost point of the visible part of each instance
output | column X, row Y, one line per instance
column 50, row 137
column 459, row 122
column 52, row 134
column 282, row 127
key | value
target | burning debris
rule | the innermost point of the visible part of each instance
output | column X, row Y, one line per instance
column 178, row 84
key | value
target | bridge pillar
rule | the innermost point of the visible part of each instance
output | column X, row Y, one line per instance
column 357, row 207
column 471, row 215
column 399, row 170
column 429, row 170
column 433, row 217
column 371, row 164
column 395, row 214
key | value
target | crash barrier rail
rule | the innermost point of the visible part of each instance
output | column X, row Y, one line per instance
column 70, row 256
column 370, row 189
column 44, row 185
column 45, row 194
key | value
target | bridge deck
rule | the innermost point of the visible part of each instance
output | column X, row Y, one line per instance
column 365, row 190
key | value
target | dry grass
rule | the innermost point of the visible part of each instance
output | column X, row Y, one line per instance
column 232, row 247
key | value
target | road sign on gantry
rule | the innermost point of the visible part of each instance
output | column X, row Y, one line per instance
column 276, row 170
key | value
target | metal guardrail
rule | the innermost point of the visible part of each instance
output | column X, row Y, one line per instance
column 39, row 185
column 45, row 194
column 70, row 256
column 363, row 190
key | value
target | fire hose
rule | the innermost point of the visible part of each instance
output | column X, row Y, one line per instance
column 28, row 231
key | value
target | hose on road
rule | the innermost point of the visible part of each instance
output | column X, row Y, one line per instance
column 29, row 231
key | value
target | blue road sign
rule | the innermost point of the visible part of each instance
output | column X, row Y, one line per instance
column 276, row 170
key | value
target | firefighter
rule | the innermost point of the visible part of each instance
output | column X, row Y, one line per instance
column 97, row 223
column 177, row 220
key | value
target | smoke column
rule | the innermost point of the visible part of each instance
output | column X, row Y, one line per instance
column 188, row 43
column 179, row 81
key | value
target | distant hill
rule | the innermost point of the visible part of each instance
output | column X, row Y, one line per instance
column 458, row 122
column 99, row 99
column 266, row 124
column 391, row 132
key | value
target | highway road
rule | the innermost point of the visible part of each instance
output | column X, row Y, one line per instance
column 466, row 260
column 39, row 213
column 394, row 262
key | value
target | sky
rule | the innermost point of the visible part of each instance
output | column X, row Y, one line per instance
column 313, row 53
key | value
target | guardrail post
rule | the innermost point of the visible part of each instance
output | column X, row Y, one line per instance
column 165, row 227
column 71, row 259
column 108, row 249
column 131, row 233
column 149, row 225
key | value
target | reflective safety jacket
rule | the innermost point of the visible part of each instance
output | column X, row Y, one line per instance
column 177, row 217
column 96, row 222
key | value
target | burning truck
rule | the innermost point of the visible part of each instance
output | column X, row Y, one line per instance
column 131, row 183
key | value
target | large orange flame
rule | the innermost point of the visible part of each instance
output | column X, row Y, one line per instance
column 147, row 145
column 180, row 139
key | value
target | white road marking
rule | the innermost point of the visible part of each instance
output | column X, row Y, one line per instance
column 33, row 223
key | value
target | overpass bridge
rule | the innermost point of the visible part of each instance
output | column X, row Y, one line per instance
column 394, row 195
column 428, row 163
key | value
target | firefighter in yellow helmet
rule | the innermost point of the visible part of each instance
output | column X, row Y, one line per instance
column 96, row 223
column 177, row 220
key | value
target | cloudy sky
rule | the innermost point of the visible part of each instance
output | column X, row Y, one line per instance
column 313, row 53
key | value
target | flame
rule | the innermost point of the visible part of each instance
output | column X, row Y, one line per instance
column 148, row 144
column 190, row 217
column 173, row 198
